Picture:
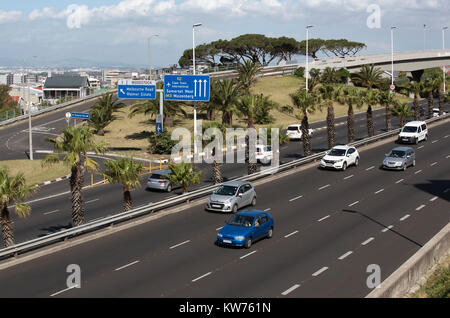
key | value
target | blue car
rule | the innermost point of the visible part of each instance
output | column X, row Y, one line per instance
column 246, row 227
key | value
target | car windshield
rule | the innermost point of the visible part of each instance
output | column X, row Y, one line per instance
column 226, row 190
column 397, row 154
column 337, row 152
column 158, row 176
column 409, row 129
column 241, row 220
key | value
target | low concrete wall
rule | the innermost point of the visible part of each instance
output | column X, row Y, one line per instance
column 400, row 282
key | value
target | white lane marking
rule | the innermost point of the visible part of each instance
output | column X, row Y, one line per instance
column 367, row 241
column 324, row 218
column 290, row 234
column 296, row 198
column 356, row 202
column 434, row 141
column 268, row 209
column 434, row 163
column 51, row 212
column 350, row 176
column 345, row 255
column 419, row 171
column 247, row 255
column 370, row 168
column 64, row 290
column 379, row 191
column 125, row 266
column 446, row 136
column 387, row 228
column 447, row 157
column 177, row 245
column 203, row 276
column 290, row 290
column 320, row 271
column 420, row 207
column 401, row 180
column 433, row 199
column 405, row 217
column 325, row 186
column 92, row 201
column 420, row 147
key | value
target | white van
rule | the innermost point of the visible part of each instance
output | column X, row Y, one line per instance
column 413, row 132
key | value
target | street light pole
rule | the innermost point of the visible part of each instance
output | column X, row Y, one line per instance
column 443, row 48
column 307, row 52
column 149, row 60
column 424, row 36
column 195, row 104
column 28, row 102
column 392, row 54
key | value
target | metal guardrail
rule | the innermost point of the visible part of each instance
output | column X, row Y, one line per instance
column 48, row 109
column 170, row 202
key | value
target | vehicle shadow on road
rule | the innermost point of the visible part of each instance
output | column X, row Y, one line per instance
column 54, row 229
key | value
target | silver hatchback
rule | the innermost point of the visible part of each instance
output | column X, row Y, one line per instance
column 231, row 196
column 159, row 181
column 399, row 158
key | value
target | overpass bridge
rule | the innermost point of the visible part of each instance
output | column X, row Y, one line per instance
column 410, row 62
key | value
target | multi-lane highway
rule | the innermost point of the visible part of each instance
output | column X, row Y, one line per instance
column 329, row 226
column 51, row 204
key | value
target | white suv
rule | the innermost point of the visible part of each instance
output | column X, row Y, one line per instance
column 413, row 132
column 295, row 132
column 340, row 157
column 264, row 154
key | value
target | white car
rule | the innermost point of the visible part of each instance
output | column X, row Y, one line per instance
column 264, row 154
column 294, row 131
column 436, row 112
column 413, row 132
column 340, row 157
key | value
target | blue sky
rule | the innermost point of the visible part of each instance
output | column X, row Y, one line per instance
column 117, row 31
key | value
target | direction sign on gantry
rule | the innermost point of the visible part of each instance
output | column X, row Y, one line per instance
column 187, row 87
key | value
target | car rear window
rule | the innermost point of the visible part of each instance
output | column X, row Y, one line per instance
column 158, row 176
column 293, row 128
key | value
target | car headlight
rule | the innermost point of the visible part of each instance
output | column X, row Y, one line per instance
column 340, row 160
column 219, row 235
column 239, row 238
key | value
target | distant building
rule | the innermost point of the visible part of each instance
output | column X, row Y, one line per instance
column 66, row 86
column 31, row 94
column 6, row 79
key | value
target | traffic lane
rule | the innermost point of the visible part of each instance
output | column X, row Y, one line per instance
column 113, row 203
column 300, row 263
column 127, row 244
column 388, row 250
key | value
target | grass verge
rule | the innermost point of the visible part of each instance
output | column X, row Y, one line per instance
column 33, row 172
column 438, row 284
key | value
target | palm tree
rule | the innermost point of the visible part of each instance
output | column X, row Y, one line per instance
column 247, row 74
column 388, row 99
column 403, row 111
column 306, row 103
column 151, row 107
column 75, row 143
column 350, row 96
column 430, row 86
column 415, row 88
column 183, row 174
column 102, row 112
column 329, row 94
column 371, row 98
column 12, row 189
column 329, row 76
column 368, row 76
column 217, row 171
column 125, row 171
column 225, row 94
column 247, row 107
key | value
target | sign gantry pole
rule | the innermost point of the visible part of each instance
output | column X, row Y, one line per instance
column 195, row 103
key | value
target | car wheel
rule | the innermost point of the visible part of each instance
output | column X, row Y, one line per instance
column 344, row 166
column 248, row 243
column 414, row 163
column 426, row 137
column 357, row 161
column 169, row 188
column 235, row 208
column 254, row 201
column 404, row 167
column 270, row 233
column 417, row 140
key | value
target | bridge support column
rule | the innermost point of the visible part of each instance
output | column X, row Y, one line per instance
column 416, row 75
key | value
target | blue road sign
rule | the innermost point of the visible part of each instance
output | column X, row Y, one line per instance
column 136, row 91
column 158, row 128
column 187, row 87
column 80, row 115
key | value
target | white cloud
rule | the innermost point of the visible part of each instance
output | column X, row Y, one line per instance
column 9, row 16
